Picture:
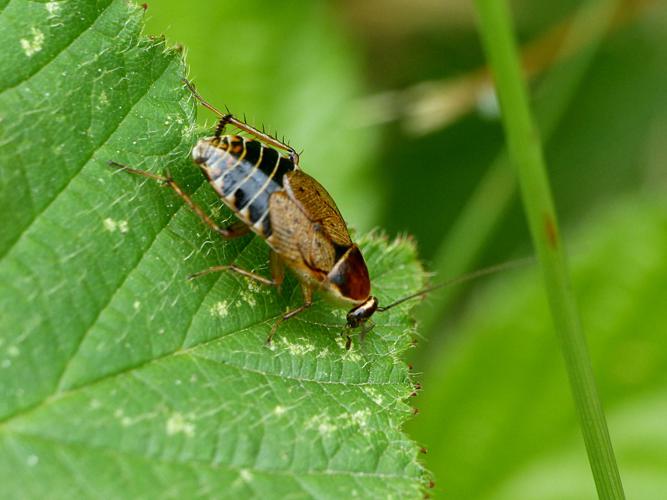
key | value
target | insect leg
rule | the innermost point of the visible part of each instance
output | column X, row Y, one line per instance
column 277, row 268
column 229, row 232
column 228, row 118
column 365, row 328
column 266, row 138
column 236, row 269
column 307, row 302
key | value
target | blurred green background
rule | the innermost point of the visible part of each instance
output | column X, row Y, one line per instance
column 391, row 103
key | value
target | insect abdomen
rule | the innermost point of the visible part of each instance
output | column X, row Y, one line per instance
column 244, row 173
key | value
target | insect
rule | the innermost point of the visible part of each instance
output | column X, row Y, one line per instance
column 272, row 197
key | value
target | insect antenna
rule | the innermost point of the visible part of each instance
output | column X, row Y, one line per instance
column 512, row 264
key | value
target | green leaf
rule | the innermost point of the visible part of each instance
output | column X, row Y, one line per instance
column 117, row 377
column 501, row 387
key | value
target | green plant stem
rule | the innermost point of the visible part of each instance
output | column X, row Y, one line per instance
column 525, row 153
column 474, row 227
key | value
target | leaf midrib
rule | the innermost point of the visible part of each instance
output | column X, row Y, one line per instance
column 55, row 397
column 160, row 460
column 24, row 233
column 120, row 287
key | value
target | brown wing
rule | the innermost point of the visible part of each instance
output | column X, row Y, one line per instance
column 318, row 206
column 302, row 243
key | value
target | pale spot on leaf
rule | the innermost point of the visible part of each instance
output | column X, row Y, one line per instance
column 31, row 47
column 52, row 8
column 178, row 424
column 220, row 309
column 323, row 423
column 299, row 348
column 112, row 225
column 279, row 410
column 374, row 395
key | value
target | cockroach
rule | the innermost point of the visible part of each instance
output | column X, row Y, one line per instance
column 272, row 197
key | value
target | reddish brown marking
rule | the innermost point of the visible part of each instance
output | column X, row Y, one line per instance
column 431, row 484
column 350, row 274
column 550, row 229
column 144, row 6
column 423, row 450
column 415, row 411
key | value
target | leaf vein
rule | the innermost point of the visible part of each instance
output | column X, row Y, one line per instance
column 56, row 195
column 47, row 62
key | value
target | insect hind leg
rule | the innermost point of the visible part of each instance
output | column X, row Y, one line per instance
column 229, row 232
column 262, row 136
column 239, row 270
column 229, row 119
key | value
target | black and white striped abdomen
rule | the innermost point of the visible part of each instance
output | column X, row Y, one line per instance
column 244, row 173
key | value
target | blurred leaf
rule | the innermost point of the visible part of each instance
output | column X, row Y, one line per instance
column 497, row 412
column 641, row 442
column 117, row 377
column 614, row 123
